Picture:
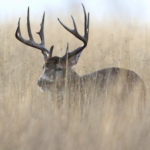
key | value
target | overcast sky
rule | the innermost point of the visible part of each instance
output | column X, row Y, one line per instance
column 139, row 9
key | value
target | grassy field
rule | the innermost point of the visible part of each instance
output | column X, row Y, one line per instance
column 30, row 120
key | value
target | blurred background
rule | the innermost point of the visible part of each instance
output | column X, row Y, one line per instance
column 135, row 9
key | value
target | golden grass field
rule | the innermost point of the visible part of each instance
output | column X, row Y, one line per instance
column 30, row 120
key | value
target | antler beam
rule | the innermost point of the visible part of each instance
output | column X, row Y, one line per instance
column 74, row 31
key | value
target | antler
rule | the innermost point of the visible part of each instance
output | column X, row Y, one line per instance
column 74, row 31
column 31, row 42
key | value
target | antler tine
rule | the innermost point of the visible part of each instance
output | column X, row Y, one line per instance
column 85, row 20
column 86, row 23
column 41, row 33
column 18, row 33
column 31, row 42
column 28, row 25
column 75, row 27
column 51, row 51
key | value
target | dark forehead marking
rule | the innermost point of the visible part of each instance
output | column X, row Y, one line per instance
column 52, row 61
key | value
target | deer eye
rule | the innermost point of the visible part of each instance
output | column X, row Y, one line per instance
column 58, row 69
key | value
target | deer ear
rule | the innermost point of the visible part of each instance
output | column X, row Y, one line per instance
column 71, row 59
column 74, row 59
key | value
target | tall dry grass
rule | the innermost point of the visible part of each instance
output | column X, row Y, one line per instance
column 30, row 120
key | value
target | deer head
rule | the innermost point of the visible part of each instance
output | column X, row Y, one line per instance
column 54, row 68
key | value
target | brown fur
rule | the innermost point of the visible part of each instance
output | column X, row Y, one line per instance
column 110, row 83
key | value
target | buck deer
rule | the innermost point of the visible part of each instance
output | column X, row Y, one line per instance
column 58, row 73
